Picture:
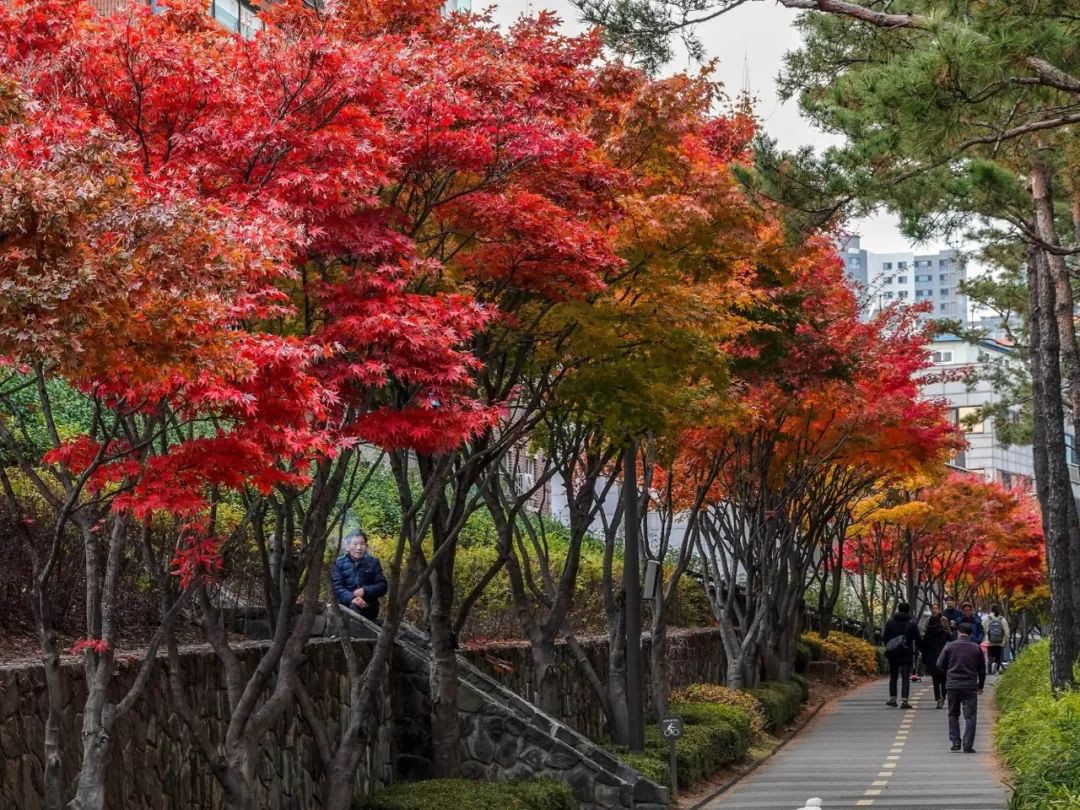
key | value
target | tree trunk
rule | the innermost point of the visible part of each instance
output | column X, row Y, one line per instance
column 617, row 673
column 658, row 663
column 445, row 732
column 1051, row 471
column 546, row 676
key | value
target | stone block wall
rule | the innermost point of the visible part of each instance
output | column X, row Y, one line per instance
column 503, row 737
column 694, row 656
column 155, row 765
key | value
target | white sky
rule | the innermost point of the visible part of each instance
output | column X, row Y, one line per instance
column 749, row 42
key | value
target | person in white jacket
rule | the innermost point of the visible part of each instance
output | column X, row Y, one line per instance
column 996, row 633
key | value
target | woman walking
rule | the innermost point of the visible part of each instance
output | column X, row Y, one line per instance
column 933, row 642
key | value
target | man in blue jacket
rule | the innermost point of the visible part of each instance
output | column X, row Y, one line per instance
column 357, row 577
column 969, row 617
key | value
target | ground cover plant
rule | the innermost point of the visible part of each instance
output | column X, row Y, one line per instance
column 1038, row 734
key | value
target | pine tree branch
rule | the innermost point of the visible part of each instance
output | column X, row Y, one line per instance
column 1049, row 74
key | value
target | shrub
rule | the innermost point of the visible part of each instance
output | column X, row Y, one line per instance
column 714, row 693
column 1038, row 734
column 803, row 657
column 714, row 734
column 854, row 655
column 437, row 794
column 813, row 644
column 716, row 714
column 882, row 661
column 781, row 702
column 1026, row 678
column 804, row 686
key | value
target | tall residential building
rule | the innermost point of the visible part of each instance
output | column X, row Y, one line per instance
column 910, row 278
column 959, row 382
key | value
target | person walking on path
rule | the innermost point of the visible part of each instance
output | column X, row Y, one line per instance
column 965, row 675
column 901, row 639
column 969, row 617
column 953, row 614
column 933, row 642
column 997, row 633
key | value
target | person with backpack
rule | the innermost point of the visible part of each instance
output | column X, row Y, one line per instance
column 935, row 638
column 901, row 640
column 996, row 630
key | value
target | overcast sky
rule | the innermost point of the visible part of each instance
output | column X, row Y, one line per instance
column 749, row 42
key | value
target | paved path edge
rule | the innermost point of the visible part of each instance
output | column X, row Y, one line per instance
column 724, row 788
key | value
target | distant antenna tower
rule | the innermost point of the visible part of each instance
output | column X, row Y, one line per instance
column 745, row 75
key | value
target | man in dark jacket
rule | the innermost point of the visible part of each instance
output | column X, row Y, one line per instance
column 953, row 614
column 358, row 578
column 969, row 617
column 901, row 639
column 965, row 674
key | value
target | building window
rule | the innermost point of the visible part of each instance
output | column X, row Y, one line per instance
column 943, row 277
column 888, row 279
column 923, row 263
column 944, row 262
column 902, row 294
column 923, row 293
column 901, row 279
column 236, row 16
column 886, row 265
column 887, row 295
column 1070, row 450
column 855, row 261
column 940, row 358
column 901, row 265
column 923, row 279
column 966, row 413
column 943, row 307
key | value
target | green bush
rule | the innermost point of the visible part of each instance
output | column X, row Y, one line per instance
column 803, row 656
column 437, row 794
column 1026, row 678
column 803, row 684
column 813, row 644
column 781, row 702
column 717, row 714
column 714, row 734
column 714, row 693
column 882, row 661
column 1038, row 734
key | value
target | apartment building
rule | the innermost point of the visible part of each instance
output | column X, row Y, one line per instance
column 966, row 392
column 908, row 278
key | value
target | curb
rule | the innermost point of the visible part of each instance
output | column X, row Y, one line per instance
column 724, row 788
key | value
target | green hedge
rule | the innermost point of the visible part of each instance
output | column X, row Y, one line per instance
column 1038, row 734
column 438, row 794
column 803, row 656
column 714, row 734
column 781, row 701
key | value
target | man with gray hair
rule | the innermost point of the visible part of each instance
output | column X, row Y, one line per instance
column 357, row 577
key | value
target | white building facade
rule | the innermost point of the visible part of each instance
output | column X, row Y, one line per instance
column 908, row 278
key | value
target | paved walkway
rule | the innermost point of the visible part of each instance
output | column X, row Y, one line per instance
column 860, row 753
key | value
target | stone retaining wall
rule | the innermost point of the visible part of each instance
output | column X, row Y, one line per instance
column 694, row 656
column 155, row 766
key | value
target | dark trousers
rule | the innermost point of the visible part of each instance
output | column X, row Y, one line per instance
column 968, row 700
column 994, row 654
column 903, row 672
column 939, row 686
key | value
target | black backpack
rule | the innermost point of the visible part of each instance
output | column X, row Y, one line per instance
column 995, row 630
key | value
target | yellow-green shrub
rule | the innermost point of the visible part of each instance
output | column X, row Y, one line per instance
column 714, row 693
column 853, row 654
